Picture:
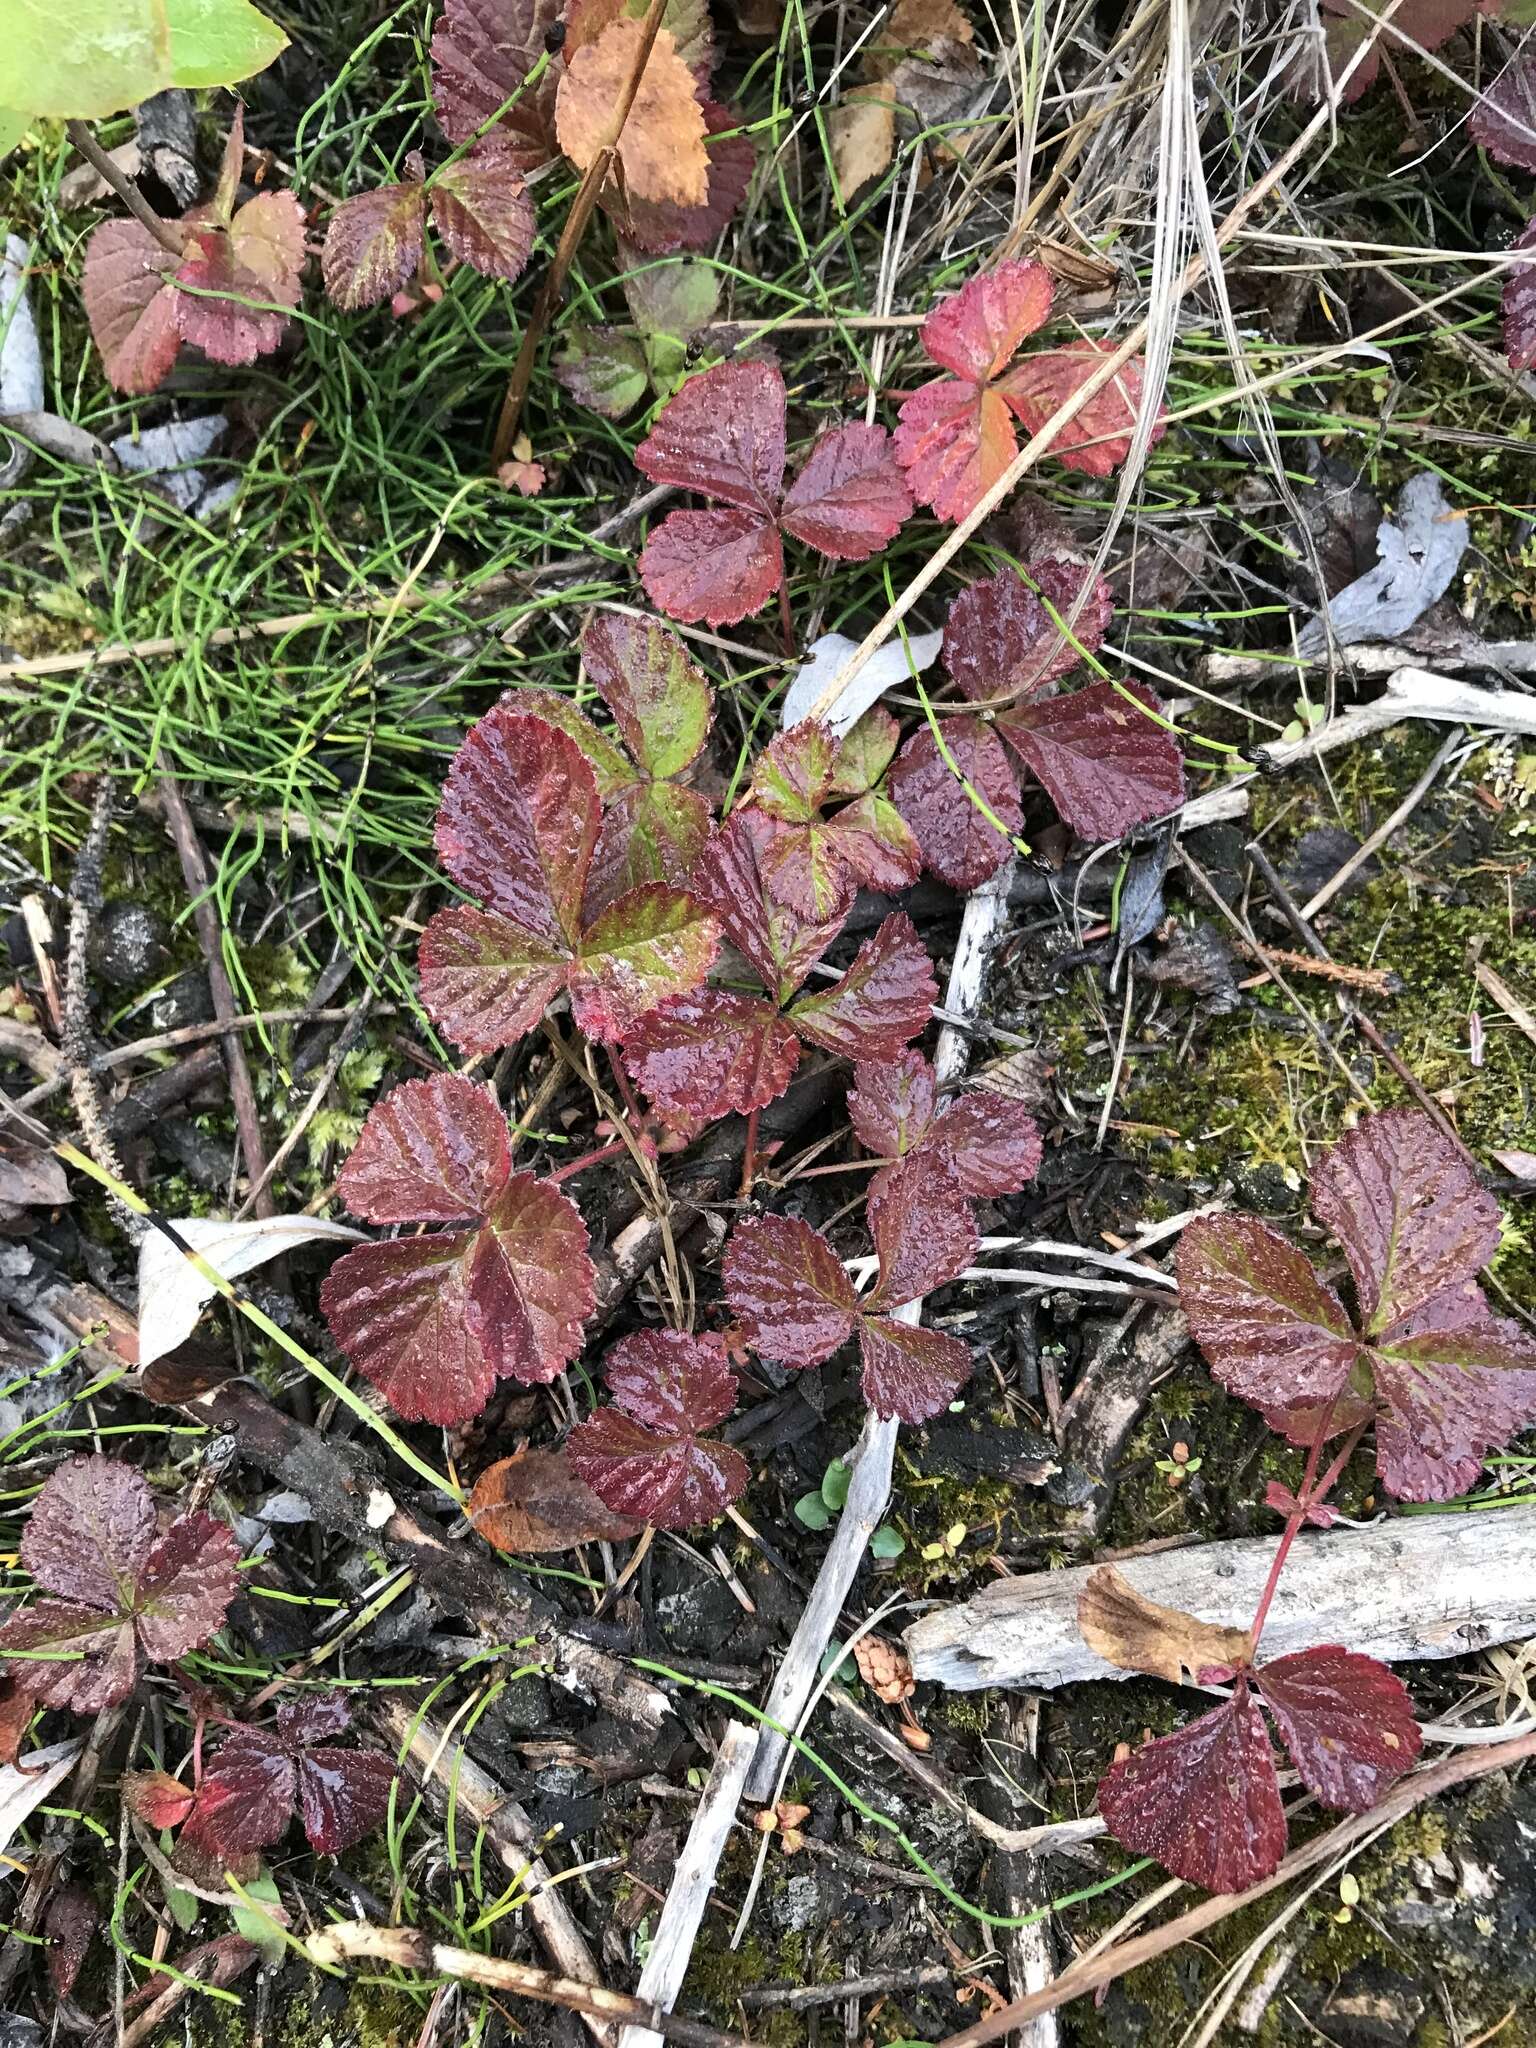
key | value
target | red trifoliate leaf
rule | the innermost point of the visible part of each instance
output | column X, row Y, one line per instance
column 711, row 1053
column 644, row 1456
column 1408, row 1210
column 1346, row 1720
column 481, row 208
column 1504, row 120
column 923, row 1229
column 433, row 1321
column 1204, row 1801
column 893, row 1102
column 250, row 1790
column 659, row 227
column 158, row 1799
column 1000, row 638
column 955, row 834
column 1519, row 306
column 1098, row 439
column 723, row 435
column 1105, row 764
column 788, row 1290
column 910, row 1373
column 373, row 245
column 1274, row 1333
column 125, row 1593
column 482, row 51
column 792, row 1298
column 1445, row 1378
column 519, row 825
column 735, row 880
column 131, row 305
column 433, row 1151
column 253, row 266
column 955, row 438
column 816, row 863
column 882, row 1002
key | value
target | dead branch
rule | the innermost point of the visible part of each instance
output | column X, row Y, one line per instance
column 1419, row 1586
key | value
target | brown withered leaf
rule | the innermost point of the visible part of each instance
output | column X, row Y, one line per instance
column 922, row 59
column 1126, row 1629
column 661, row 146
column 534, row 1502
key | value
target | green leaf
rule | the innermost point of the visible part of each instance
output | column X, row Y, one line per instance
column 602, row 369
column 887, row 1542
column 834, row 1485
column 118, row 52
column 258, row 1927
column 13, row 126
column 811, row 1509
column 219, row 42
column 676, row 298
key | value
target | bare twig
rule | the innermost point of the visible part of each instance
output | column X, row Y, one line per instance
column 194, row 868
column 408, row 1948
column 174, row 243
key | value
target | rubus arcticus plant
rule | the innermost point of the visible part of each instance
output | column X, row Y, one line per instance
column 1424, row 1362
column 604, row 882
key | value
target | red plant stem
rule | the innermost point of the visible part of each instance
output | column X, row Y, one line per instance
column 749, row 1155
column 1329, row 1480
column 786, row 620
column 1293, row 1524
column 587, row 1159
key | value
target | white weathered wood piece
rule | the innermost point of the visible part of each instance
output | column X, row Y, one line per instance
column 1421, row 1586
column 666, row 1965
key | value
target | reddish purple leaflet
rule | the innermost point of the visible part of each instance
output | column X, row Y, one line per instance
column 124, row 1594
column 796, row 1304
column 1103, row 759
column 375, row 241
column 723, row 436
column 519, row 827
column 259, row 1777
column 434, row 1321
column 645, row 1455
column 653, row 828
column 1445, row 1378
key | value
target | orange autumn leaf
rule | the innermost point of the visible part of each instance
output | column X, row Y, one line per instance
column 661, row 146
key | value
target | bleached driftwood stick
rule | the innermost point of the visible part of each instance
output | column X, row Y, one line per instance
column 869, row 1488
column 666, row 1965
column 743, row 1751
column 1410, row 693
column 1423, row 1586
